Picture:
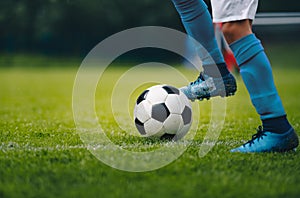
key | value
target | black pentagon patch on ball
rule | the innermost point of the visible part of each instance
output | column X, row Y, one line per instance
column 160, row 112
column 171, row 90
column 186, row 115
column 140, row 126
column 142, row 97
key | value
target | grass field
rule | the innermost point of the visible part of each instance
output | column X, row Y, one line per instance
column 41, row 155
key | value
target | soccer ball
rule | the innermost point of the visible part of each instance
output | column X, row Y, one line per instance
column 163, row 111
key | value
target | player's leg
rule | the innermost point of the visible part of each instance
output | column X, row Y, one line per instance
column 276, row 134
column 216, row 79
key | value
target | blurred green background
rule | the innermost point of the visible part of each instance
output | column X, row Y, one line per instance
column 74, row 27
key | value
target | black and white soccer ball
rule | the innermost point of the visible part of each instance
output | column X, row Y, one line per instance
column 163, row 111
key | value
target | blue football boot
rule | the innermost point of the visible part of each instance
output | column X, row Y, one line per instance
column 264, row 141
column 205, row 87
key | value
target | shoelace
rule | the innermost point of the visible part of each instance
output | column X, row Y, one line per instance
column 260, row 133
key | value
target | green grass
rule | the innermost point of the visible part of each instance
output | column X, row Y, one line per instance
column 41, row 155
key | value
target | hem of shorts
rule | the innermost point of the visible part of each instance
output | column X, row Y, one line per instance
column 232, row 18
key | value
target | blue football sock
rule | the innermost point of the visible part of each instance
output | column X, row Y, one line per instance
column 257, row 75
column 198, row 24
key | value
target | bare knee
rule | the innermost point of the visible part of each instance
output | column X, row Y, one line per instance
column 236, row 29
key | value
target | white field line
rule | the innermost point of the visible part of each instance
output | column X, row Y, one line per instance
column 15, row 147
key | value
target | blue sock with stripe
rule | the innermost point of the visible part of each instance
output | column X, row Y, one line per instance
column 257, row 75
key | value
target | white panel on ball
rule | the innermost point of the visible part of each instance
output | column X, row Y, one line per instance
column 172, row 124
column 143, row 111
column 156, row 95
column 173, row 103
column 184, row 101
column 153, row 127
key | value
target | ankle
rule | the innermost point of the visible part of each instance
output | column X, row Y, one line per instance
column 276, row 125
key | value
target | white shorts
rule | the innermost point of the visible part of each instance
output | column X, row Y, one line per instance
column 233, row 10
